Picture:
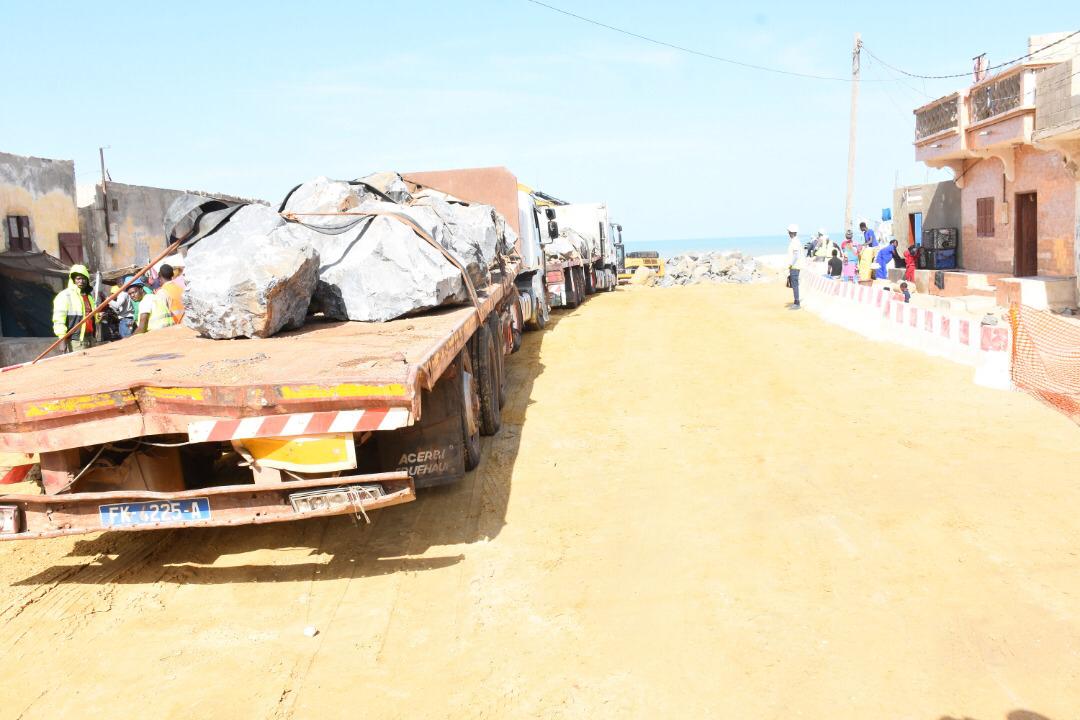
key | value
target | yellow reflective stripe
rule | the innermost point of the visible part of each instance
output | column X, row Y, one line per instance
column 345, row 390
column 175, row 393
column 80, row 403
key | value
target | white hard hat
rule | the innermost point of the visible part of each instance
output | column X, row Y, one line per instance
column 821, row 231
column 793, row 228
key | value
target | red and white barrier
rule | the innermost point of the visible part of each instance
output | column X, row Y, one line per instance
column 313, row 423
column 884, row 316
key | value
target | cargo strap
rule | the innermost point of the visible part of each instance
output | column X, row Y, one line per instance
column 406, row 220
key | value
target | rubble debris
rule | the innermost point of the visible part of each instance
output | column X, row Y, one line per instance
column 389, row 184
column 568, row 246
column 251, row 278
column 643, row 276
column 713, row 267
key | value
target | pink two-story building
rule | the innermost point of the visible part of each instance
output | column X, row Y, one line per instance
column 1011, row 142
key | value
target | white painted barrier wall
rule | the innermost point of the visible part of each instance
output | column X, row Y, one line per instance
column 884, row 316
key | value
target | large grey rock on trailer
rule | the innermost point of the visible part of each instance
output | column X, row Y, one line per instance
column 317, row 202
column 251, row 278
column 389, row 184
column 380, row 270
column 469, row 232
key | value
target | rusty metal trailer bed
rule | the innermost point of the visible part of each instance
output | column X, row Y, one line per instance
column 340, row 377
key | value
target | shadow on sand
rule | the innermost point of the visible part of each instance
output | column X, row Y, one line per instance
column 469, row 511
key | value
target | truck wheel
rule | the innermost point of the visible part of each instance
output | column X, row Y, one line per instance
column 470, row 414
column 487, row 371
column 539, row 318
column 498, row 330
column 517, row 326
column 580, row 282
column 572, row 289
column 590, row 281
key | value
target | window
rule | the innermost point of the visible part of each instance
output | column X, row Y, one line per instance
column 18, row 233
column 984, row 212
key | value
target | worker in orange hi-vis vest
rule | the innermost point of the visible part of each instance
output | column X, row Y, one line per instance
column 174, row 293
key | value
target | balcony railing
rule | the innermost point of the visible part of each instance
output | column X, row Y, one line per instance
column 997, row 97
column 942, row 115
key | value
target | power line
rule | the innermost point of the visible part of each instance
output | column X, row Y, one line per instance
column 966, row 74
column 691, row 51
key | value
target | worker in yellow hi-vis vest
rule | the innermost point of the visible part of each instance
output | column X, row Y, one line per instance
column 154, row 312
column 70, row 306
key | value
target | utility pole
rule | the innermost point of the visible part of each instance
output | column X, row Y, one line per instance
column 104, row 195
column 855, row 60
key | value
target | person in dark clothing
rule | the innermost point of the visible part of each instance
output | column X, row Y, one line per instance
column 907, row 291
column 836, row 266
column 898, row 260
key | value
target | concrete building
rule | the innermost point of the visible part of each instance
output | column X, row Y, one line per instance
column 40, row 241
column 1006, row 140
column 919, row 207
column 135, row 215
column 38, row 206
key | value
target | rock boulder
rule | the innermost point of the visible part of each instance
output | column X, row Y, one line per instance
column 229, row 295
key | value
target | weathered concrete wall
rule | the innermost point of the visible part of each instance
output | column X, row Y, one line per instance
column 1057, row 105
column 44, row 191
column 1036, row 171
column 1061, row 51
column 136, row 217
column 19, row 350
column 939, row 204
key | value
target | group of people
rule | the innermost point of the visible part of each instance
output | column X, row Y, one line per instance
column 851, row 261
column 147, row 305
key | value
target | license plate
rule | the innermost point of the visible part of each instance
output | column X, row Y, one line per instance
column 156, row 511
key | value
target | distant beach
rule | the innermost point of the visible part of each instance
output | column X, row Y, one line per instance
column 754, row 246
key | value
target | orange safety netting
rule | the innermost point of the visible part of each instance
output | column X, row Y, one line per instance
column 1046, row 358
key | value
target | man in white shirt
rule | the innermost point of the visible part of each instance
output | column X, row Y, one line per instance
column 796, row 260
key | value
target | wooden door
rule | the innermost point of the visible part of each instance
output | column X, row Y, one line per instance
column 71, row 249
column 1027, row 235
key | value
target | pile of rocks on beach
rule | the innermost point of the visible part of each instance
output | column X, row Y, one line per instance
column 713, row 267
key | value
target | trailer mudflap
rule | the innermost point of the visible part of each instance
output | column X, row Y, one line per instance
column 431, row 452
column 42, row 516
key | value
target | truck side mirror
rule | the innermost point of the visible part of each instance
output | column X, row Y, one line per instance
column 553, row 229
column 549, row 213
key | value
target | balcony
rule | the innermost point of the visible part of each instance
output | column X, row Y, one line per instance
column 937, row 117
column 988, row 119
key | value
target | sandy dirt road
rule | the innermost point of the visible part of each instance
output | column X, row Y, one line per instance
column 700, row 505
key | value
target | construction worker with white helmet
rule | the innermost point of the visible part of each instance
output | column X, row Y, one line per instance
column 70, row 306
column 796, row 260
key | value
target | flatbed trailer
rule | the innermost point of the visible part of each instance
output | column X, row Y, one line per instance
column 567, row 283
column 409, row 397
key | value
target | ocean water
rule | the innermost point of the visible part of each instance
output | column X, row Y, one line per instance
column 760, row 245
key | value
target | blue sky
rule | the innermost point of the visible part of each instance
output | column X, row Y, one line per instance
column 251, row 99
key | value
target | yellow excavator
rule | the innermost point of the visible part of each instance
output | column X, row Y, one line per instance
column 647, row 258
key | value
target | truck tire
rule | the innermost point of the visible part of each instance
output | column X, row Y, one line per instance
column 470, row 438
column 590, row 281
column 487, row 379
column 573, row 287
column 580, row 283
column 499, row 322
column 517, row 326
column 539, row 318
